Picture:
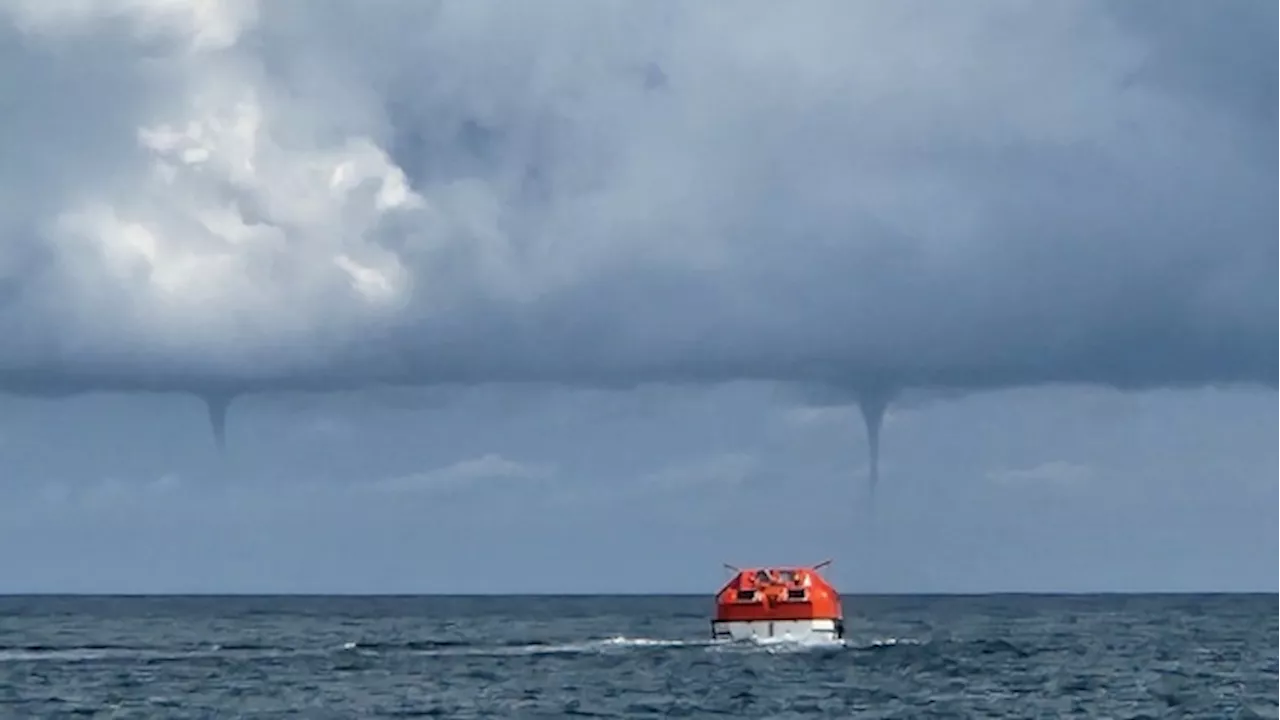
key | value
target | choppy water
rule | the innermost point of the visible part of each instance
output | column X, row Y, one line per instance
column 633, row 657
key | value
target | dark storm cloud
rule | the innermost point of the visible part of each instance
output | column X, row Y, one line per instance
column 303, row 196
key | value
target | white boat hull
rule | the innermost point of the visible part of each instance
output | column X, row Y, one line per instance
column 794, row 630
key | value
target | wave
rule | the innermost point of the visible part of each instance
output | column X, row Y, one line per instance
column 439, row 647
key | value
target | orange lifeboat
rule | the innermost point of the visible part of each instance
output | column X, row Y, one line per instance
column 778, row 602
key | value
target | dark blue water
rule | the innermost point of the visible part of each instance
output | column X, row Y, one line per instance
column 633, row 657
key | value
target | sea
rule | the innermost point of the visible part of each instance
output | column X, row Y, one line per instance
column 996, row 656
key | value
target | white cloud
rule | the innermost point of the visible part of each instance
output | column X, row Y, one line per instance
column 107, row 492
column 464, row 475
column 1053, row 474
column 725, row 471
column 205, row 24
column 719, row 473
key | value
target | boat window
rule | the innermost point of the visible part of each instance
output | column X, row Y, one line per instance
column 795, row 594
column 745, row 595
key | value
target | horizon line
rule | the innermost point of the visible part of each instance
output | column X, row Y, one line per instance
column 615, row 594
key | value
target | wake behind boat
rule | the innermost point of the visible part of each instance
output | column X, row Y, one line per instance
column 793, row 603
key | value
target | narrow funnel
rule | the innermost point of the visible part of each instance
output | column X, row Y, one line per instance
column 217, row 406
column 873, row 402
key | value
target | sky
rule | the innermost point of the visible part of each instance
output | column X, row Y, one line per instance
column 408, row 296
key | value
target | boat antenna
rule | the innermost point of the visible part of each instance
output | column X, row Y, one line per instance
column 822, row 564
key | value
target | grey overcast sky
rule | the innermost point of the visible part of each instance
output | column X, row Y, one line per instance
column 497, row 289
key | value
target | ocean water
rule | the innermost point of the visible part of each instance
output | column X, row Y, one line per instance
column 633, row 657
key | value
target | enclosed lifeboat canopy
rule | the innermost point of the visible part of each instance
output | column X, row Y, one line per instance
column 778, row 602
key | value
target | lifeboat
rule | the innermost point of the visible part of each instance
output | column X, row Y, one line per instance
column 794, row 603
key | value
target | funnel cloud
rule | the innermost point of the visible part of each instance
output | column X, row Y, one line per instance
column 254, row 197
column 873, row 403
column 217, row 406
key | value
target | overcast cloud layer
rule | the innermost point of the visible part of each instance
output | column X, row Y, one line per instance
column 251, row 196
